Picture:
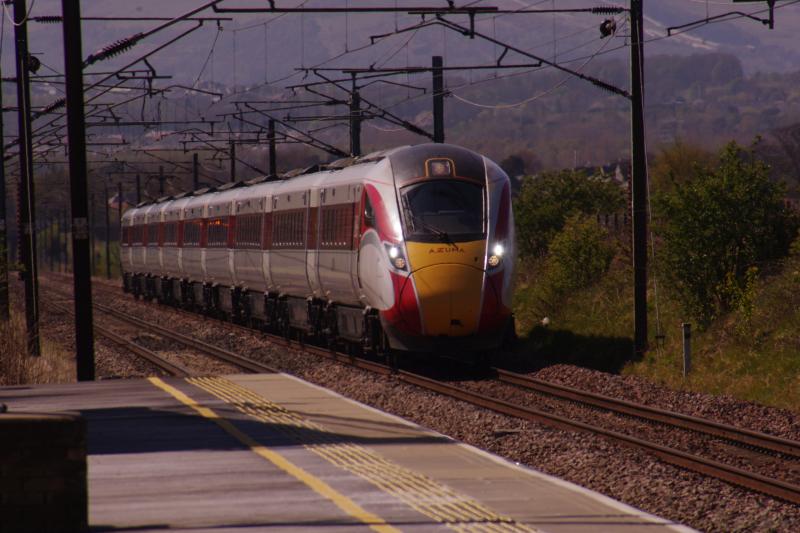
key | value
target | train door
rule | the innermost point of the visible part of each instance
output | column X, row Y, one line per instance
column 266, row 241
column 247, row 250
column 312, row 242
column 287, row 261
column 337, row 221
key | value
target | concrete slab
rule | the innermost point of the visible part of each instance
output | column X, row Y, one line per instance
column 519, row 493
column 273, row 453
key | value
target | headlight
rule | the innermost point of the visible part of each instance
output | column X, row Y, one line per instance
column 497, row 255
column 395, row 254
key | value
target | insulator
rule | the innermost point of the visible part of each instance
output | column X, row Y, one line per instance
column 48, row 19
column 113, row 49
column 61, row 102
column 608, row 10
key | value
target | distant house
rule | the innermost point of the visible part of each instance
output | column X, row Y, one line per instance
column 618, row 172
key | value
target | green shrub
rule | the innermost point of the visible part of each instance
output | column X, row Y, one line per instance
column 716, row 227
column 579, row 256
column 546, row 201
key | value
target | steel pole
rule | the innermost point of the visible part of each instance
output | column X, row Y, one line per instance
column 76, row 129
column 138, row 189
column 119, row 226
column 233, row 162
column 273, row 170
column 65, row 248
column 52, row 246
column 355, row 120
column 108, row 236
column 92, row 246
column 27, row 197
column 195, row 172
column 638, row 180
column 119, row 208
column 438, row 99
column 5, row 310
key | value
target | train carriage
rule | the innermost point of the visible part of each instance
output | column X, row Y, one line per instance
column 409, row 249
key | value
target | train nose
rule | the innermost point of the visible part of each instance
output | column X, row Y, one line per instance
column 449, row 297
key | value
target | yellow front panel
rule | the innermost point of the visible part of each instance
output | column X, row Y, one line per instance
column 449, row 280
column 423, row 254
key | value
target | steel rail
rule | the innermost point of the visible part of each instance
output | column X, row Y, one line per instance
column 738, row 435
column 150, row 356
column 766, row 485
column 209, row 349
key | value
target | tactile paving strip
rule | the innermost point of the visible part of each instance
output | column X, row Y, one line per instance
column 426, row 496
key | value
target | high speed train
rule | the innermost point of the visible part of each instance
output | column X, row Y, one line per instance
column 408, row 249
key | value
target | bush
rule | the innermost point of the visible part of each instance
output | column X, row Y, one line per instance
column 579, row 256
column 546, row 201
column 716, row 227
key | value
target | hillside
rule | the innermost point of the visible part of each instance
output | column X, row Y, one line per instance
column 751, row 358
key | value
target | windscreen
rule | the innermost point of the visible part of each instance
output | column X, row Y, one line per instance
column 443, row 211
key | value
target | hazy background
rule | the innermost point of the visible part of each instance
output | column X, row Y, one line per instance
column 733, row 79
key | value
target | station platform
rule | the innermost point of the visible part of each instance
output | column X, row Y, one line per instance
column 273, row 453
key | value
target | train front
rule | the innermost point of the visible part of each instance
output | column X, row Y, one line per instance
column 452, row 272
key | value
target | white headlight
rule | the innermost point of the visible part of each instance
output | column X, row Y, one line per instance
column 394, row 252
column 498, row 250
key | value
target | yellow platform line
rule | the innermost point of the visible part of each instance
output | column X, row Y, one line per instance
column 424, row 495
column 419, row 492
column 317, row 485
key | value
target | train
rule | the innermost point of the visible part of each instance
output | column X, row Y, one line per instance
column 409, row 249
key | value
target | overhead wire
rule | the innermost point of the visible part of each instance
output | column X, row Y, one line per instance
column 24, row 19
column 566, row 79
column 208, row 57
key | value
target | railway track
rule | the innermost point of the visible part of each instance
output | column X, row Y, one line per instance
column 209, row 349
column 172, row 369
column 150, row 356
column 737, row 436
column 741, row 437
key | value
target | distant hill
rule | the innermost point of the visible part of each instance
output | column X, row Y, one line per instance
column 734, row 79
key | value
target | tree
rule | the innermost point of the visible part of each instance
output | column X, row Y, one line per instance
column 578, row 257
column 579, row 254
column 513, row 165
column 717, row 227
column 676, row 164
column 546, row 201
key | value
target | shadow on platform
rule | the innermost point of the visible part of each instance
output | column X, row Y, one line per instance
column 124, row 430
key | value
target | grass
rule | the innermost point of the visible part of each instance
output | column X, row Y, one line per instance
column 753, row 356
column 54, row 365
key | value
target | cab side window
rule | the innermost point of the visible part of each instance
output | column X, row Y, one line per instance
column 369, row 213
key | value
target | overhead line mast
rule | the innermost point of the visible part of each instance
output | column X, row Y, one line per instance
column 638, row 180
column 27, row 198
column 81, row 253
column 5, row 310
